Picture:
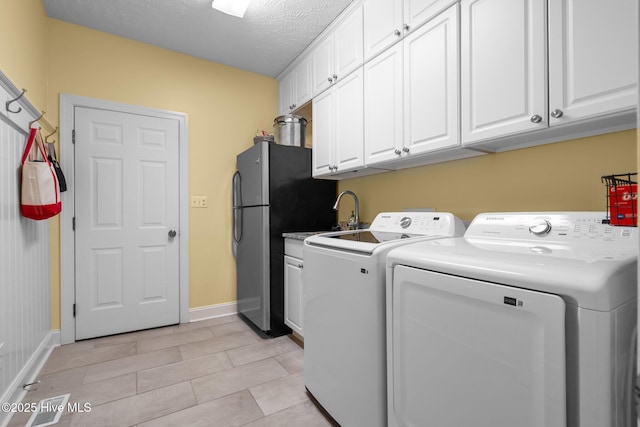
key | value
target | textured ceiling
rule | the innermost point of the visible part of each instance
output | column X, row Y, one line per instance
column 271, row 34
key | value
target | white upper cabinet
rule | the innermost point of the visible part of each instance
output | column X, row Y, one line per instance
column 383, row 98
column 294, row 88
column 431, row 82
column 285, row 93
column 591, row 64
column 323, row 134
column 387, row 21
column 411, row 94
column 382, row 25
column 338, row 127
column 302, row 83
column 593, row 58
column 339, row 52
column 503, row 79
column 417, row 12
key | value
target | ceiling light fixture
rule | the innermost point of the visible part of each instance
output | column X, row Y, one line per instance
column 231, row 7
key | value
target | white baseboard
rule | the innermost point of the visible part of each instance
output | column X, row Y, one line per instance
column 211, row 311
column 29, row 373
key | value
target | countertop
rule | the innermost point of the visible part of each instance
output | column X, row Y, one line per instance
column 301, row 235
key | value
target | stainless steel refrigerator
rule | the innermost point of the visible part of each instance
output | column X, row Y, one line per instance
column 273, row 193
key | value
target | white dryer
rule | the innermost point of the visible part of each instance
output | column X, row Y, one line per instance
column 528, row 320
column 344, row 311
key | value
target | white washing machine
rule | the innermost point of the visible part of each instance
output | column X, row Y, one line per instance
column 528, row 320
column 344, row 311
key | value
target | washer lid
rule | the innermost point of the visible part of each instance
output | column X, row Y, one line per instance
column 593, row 266
column 389, row 228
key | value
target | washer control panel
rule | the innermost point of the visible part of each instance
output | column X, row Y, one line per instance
column 417, row 223
column 561, row 227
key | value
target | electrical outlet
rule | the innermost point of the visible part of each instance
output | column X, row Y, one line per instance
column 199, row 202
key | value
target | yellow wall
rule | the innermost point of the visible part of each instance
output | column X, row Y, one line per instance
column 224, row 106
column 23, row 36
column 560, row 176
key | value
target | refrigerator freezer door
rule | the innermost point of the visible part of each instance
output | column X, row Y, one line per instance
column 253, row 266
column 253, row 176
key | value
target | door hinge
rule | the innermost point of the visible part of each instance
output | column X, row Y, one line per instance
column 73, row 223
column 74, row 310
column 73, row 136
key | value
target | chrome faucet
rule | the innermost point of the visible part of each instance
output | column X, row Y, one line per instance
column 355, row 198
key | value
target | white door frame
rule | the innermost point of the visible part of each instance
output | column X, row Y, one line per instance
column 67, row 240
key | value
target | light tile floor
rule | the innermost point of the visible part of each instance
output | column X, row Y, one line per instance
column 215, row 372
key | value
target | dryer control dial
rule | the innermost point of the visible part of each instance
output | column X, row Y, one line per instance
column 540, row 227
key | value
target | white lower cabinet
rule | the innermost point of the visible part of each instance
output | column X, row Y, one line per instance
column 293, row 288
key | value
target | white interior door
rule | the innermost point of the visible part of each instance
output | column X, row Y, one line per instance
column 126, row 222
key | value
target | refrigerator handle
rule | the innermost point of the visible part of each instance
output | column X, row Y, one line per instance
column 237, row 189
column 237, row 209
column 237, row 224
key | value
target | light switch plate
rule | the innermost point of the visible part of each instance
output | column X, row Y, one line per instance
column 199, row 202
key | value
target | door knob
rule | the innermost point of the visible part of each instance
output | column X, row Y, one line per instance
column 172, row 234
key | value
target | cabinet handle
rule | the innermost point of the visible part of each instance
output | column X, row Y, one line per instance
column 300, row 266
column 405, row 149
column 556, row 114
column 330, row 79
column 398, row 152
column 406, row 27
column 397, row 33
column 335, row 77
column 536, row 118
column 335, row 168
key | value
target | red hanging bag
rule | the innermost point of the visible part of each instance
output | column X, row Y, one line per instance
column 40, row 193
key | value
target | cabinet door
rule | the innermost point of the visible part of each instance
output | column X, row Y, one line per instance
column 383, row 106
column 302, row 83
column 293, row 293
column 431, row 85
column 322, row 65
column 285, row 91
column 349, row 122
column 323, row 130
column 382, row 25
column 503, row 68
column 348, row 40
column 417, row 12
column 593, row 58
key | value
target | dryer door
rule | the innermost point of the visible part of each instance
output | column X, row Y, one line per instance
column 463, row 352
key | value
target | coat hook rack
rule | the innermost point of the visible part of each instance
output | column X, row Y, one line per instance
column 42, row 113
column 46, row 138
column 8, row 103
